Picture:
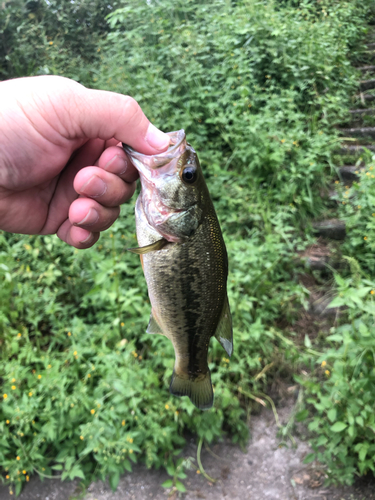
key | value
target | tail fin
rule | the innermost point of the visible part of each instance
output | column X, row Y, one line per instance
column 199, row 390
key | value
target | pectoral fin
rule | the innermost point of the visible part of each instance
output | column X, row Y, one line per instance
column 157, row 245
column 224, row 331
column 153, row 326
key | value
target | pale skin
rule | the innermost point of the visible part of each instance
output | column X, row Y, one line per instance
column 62, row 168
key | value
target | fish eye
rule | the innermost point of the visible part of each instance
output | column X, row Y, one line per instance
column 189, row 175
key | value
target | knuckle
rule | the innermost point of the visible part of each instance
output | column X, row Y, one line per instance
column 132, row 109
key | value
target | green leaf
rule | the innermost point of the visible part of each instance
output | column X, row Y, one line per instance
column 309, row 458
column 307, row 342
column 114, row 479
column 331, row 414
column 180, row 486
column 168, row 483
column 302, row 415
column 338, row 427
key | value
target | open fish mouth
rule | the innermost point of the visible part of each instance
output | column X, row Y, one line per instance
column 148, row 165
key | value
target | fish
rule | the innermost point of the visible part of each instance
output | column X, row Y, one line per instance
column 185, row 263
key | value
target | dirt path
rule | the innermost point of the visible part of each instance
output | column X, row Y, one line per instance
column 265, row 471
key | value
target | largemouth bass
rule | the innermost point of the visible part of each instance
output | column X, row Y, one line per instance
column 185, row 263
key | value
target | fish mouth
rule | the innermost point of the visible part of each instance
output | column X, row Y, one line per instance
column 177, row 146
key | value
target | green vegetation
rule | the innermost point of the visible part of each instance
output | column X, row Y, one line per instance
column 258, row 86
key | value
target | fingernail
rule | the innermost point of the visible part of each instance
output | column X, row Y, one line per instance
column 90, row 219
column 117, row 165
column 94, row 187
column 156, row 138
column 89, row 238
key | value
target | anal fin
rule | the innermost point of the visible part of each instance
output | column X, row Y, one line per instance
column 224, row 330
column 157, row 245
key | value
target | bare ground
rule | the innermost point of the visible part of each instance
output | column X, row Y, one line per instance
column 267, row 470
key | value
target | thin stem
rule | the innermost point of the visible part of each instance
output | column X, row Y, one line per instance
column 211, row 479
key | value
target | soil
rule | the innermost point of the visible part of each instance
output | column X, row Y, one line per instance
column 267, row 470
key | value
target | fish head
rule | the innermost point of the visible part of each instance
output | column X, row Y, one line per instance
column 174, row 192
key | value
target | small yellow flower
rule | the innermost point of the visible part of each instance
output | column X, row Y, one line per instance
column 283, row 140
column 51, row 43
column 123, row 423
column 7, row 422
column 167, row 407
column 39, row 377
column 69, row 334
column 98, row 405
column 323, row 364
column 343, row 203
column 111, row 235
column 372, row 292
column 19, row 335
column 30, row 393
column 176, row 412
column 198, row 471
column 359, row 206
column 327, row 372
column 49, row 366
column 27, row 478
column 14, row 387
column 130, row 451
column 18, row 458
column 234, row 104
column 337, row 182
column 23, row 472
column 130, row 440
column 7, row 476
column 365, row 238
column 81, row 437
column 122, row 324
column 89, row 375
column 92, row 412
column 13, row 379
column 75, row 353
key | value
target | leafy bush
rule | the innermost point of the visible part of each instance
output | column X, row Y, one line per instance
column 341, row 387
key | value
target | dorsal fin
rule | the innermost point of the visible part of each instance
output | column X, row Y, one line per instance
column 224, row 331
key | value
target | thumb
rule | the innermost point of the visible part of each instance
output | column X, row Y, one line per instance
column 107, row 115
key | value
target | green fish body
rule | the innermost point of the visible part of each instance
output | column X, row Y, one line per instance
column 184, row 262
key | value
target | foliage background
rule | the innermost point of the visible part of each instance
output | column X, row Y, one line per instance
column 258, row 86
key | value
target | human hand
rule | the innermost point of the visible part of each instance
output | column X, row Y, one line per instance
column 62, row 169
